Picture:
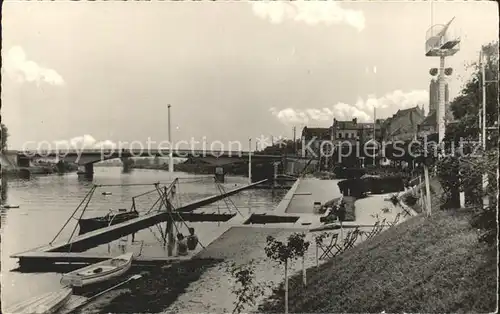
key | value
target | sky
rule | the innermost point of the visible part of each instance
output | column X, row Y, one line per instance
column 100, row 73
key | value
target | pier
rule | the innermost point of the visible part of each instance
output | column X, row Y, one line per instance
column 69, row 250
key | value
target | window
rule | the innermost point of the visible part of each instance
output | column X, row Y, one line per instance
column 340, row 135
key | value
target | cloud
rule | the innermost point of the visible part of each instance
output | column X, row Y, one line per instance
column 106, row 144
column 386, row 106
column 309, row 12
column 21, row 69
column 85, row 142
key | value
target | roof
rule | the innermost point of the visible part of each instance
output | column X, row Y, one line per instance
column 430, row 120
column 346, row 125
column 320, row 133
column 400, row 128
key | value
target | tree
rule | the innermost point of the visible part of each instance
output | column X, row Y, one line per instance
column 245, row 287
column 4, row 135
column 295, row 247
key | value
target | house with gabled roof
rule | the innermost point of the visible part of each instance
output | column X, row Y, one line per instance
column 403, row 125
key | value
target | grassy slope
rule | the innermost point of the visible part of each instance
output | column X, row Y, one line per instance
column 420, row 265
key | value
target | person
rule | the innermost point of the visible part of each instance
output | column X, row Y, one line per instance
column 341, row 211
column 181, row 245
column 192, row 240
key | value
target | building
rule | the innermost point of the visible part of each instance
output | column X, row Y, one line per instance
column 317, row 136
column 434, row 95
column 403, row 125
column 429, row 125
column 345, row 130
column 366, row 131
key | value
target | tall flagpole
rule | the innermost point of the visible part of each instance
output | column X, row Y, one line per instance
column 171, row 155
column 483, row 87
column 250, row 161
column 374, row 120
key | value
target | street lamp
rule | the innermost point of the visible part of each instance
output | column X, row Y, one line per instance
column 440, row 43
column 250, row 161
column 171, row 155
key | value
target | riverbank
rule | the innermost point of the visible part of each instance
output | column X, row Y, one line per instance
column 156, row 291
column 421, row 265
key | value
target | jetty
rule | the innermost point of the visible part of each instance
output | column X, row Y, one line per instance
column 69, row 250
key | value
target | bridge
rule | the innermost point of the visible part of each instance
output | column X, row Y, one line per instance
column 87, row 157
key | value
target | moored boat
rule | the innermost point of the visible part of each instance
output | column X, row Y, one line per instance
column 329, row 226
column 47, row 303
column 91, row 224
column 99, row 272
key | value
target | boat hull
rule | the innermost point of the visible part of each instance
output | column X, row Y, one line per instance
column 91, row 224
column 75, row 279
column 325, row 227
column 48, row 303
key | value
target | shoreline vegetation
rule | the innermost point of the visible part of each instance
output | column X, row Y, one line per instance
column 438, row 260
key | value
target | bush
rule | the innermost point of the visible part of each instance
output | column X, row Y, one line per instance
column 410, row 199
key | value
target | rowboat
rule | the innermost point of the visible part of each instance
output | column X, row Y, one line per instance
column 47, row 303
column 99, row 272
column 91, row 224
column 329, row 226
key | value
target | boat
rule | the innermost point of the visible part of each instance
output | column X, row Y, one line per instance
column 329, row 226
column 91, row 224
column 10, row 206
column 47, row 303
column 99, row 272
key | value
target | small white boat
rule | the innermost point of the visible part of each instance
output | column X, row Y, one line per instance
column 99, row 272
column 47, row 303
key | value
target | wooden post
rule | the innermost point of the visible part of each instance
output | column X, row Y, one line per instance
column 286, row 286
column 427, row 190
column 420, row 193
column 304, row 274
column 169, row 227
column 317, row 262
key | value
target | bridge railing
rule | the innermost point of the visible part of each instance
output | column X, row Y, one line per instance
column 142, row 153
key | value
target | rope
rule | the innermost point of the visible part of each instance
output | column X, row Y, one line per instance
column 81, row 215
column 229, row 198
column 180, row 217
column 73, row 214
column 164, row 199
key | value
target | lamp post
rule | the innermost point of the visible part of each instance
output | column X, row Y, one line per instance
column 250, row 161
column 439, row 43
column 171, row 155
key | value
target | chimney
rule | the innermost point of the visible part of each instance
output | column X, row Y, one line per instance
column 355, row 120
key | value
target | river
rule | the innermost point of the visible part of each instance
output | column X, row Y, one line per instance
column 46, row 202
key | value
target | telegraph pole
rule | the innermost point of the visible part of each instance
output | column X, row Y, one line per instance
column 483, row 88
column 250, row 161
column 171, row 155
column 294, row 141
column 374, row 119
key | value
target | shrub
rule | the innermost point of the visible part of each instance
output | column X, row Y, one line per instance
column 410, row 199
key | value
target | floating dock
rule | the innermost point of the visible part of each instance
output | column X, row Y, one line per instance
column 95, row 238
column 40, row 259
